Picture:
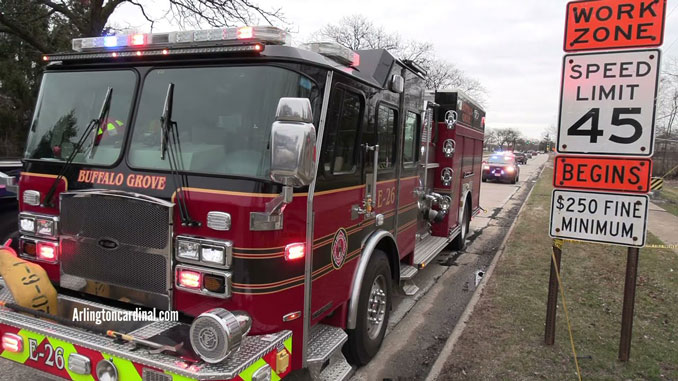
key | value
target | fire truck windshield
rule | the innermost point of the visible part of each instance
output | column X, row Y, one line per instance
column 223, row 117
column 68, row 101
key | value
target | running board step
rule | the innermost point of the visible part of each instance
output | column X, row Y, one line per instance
column 407, row 286
column 338, row 370
column 407, row 272
column 427, row 249
column 324, row 353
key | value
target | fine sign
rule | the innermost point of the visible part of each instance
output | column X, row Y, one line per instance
column 599, row 217
column 607, row 103
column 616, row 174
column 614, row 24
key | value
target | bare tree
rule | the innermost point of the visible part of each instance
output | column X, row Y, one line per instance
column 358, row 32
column 508, row 136
column 90, row 18
column 444, row 75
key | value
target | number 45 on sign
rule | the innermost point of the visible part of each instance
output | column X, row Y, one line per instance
column 607, row 103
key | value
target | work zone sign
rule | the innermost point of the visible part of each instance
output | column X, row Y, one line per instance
column 599, row 217
column 614, row 24
column 617, row 174
column 607, row 103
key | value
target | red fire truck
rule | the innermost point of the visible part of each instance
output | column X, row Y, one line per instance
column 274, row 196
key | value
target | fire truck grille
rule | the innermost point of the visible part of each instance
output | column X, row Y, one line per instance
column 124, row 267
column 129, row 221
column 116, row 238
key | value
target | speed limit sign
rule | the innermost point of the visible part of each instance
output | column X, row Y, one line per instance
column 607, row 103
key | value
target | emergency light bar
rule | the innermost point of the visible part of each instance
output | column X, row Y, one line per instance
column 332, row 50
column 190, row 38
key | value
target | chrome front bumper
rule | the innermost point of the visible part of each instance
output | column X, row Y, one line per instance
column 252, row 348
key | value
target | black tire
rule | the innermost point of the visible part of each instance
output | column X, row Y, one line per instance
column 484, row 179
column 514, row 179
column 459, row 242
column 364, row 344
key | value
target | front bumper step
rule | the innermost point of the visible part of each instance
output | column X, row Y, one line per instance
column 252, row 349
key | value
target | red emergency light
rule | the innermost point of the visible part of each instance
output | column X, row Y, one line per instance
column 190, row 279
column 47, row 251
column 295, row 251
column 12, row 343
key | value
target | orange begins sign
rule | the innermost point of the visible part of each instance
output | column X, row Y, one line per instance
column 623, row 174
column 613, row 24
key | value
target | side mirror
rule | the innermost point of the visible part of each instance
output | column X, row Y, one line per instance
column 293, row 143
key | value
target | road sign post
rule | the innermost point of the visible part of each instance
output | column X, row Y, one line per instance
column 629, row 301
column 552, row 300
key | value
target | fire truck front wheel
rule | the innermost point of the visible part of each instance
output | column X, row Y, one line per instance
column 374, row 308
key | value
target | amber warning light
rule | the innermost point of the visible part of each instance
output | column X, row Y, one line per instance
column 613, row 24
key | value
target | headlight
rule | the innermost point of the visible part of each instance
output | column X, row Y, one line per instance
column 27, row 224
column 45, row 227
column 188, row 250
column 202, row 251
column 212, row 254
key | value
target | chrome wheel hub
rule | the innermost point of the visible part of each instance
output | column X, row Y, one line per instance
column 376, row 307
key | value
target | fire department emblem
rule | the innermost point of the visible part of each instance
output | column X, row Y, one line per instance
column 339, row 248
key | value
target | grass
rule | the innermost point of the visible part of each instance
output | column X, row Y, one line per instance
column 505, row 335
column 668, row 197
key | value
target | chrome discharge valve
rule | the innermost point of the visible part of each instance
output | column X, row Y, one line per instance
column 217, row 333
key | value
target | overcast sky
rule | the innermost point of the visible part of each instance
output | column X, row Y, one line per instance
column 513, row 47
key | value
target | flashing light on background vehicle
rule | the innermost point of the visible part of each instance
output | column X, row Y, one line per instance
column 190, row 279
column 486, row 166
column 510, row 169
column 295, row 251
column 110, row 41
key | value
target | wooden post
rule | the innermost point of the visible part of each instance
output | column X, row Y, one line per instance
column 552, row 300
column 629, row 302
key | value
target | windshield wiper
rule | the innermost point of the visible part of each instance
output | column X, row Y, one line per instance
column 169, row 144
column 93, row 125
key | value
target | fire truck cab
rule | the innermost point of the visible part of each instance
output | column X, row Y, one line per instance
column 274, row 196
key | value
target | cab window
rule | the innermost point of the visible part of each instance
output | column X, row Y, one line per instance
column 411, row 127
column 343, row 122
column 387, row 119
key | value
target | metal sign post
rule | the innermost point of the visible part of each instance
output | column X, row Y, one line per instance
column 552, row 301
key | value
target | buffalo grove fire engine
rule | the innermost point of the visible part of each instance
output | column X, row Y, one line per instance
column 274, row 196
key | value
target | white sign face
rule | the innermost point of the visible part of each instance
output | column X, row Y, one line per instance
column 599, row 217
column 607, row 103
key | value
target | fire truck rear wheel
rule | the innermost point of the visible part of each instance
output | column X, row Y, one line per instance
column 459, row 242
column 374, row 308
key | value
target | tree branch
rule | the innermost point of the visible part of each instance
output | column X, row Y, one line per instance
column 27, row 37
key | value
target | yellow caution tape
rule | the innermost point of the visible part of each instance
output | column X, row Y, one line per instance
column 648, row 246
column 567, row 316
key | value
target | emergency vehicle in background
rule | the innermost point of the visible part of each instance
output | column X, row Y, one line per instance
column 275, row 196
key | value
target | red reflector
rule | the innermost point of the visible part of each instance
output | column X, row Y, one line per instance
column 294, row 251
column 47, row 251
column 138, row 53
column 245, row 32
column 45, row 58
column 12, row 343
column 190, row 279
column 165, row 51
column 356, row 60
column 114, row 54
column 257, row 47
column 138, row 39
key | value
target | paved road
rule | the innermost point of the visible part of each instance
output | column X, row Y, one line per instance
column 420, row 324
